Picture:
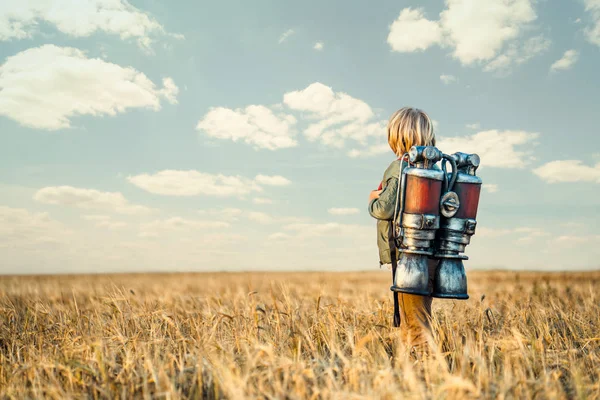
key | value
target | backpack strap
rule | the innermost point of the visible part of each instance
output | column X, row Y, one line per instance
column 392, row 242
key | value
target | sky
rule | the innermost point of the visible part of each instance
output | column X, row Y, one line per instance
column 235, row 135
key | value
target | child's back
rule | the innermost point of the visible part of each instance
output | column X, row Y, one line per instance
column 407, row 127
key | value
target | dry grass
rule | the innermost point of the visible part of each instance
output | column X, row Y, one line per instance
column 294, row 336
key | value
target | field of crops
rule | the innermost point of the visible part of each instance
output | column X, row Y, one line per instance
column 294, row 336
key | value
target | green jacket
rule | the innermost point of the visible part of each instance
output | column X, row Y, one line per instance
column 382, row 209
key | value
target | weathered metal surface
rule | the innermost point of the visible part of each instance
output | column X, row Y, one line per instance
column 422, row 195
column 468, row 194
column 412, row 275
column 424, row 154
column 423, row 232
column 450, row 280
column 419, row 220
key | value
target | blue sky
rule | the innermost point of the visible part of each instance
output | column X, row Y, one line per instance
column 220, row 136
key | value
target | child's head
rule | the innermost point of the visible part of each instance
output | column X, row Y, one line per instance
column 409, row 127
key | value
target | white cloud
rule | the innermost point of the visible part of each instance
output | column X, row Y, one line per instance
column 279, row 236
column 219, row 243
column 169, row 90
column 256, row 125
column 529, row 234
column 343, row 211
column 314, row 229
column 82, row 18
column 21, row 227
column 318, row 46
column 490, row 187
column 260, row 217
column 492, row 232
column 105, row 221
column 332, row 117
column 518, row 53
column 194, row 183
column 160, row 226
column 96, row 218
column 501, row 149
column 275, row 180
column 321, row 101
column 476, row 30
column 412, row 32
column 111, row 225
column 44, row 87
column 307, row 230
column 338, row 115
column 254, row 216
column 293, row 220
column 327, row 239
column 566, row 61
column 574, row 240
column 262, row 200
column 88, row 199
column 475, row 125
column 371, row 150
column 568, row 171
column 265, row 219
column 573, row 225
column 335, row 118
column 592, row 33
column 448, row 79
column 285, row 35
column 226, row 213
column 501, row 63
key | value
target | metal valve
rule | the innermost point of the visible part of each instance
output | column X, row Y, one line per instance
column 449, row 204
column 419, row 154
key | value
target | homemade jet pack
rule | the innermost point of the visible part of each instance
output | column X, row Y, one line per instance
column 434, row 218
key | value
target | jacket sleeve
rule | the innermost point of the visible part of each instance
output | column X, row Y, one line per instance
column 383, row 207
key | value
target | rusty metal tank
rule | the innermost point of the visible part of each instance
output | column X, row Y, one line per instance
column 458, row 209
column 421, row 188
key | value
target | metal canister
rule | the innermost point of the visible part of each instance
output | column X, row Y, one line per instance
column 458, row 221
column 419, row 220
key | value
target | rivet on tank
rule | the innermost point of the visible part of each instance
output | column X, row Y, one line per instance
column 458, row 208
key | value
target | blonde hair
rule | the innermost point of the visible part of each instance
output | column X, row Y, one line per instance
column 409, row 127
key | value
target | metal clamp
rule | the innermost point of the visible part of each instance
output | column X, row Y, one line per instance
column 420, row 221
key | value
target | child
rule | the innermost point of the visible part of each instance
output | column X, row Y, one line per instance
column 407, row 127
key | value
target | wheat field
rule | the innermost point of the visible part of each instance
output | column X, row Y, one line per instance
column 294, row 336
